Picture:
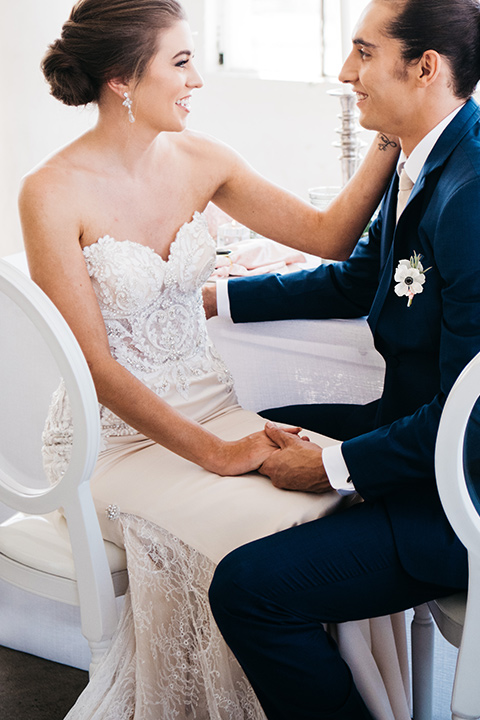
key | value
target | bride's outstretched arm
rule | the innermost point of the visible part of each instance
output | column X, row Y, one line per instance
column 57, row 265
column 277, row 214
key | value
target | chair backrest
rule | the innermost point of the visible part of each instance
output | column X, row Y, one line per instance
column 34, row 338
column 459, row 495
column 458, row 498
column 31, row 327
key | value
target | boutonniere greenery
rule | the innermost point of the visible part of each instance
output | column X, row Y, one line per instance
column 410, row 277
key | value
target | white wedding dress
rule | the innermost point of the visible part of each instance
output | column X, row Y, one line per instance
column 176, row 521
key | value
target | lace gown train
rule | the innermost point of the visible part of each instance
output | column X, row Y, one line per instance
column 175, row 520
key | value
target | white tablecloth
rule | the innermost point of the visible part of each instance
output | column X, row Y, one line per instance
column 300, row 361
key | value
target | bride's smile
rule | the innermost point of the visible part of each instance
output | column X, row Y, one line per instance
column 162, row 97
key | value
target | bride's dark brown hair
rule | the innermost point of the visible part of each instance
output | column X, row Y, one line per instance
column 103, row 40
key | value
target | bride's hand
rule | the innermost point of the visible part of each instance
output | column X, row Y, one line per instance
column 248, row 453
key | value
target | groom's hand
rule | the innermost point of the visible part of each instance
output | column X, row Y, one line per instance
column 209, row 292
column 296, row 465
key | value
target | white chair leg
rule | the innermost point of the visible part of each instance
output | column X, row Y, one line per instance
column 97, row 649
column 422, row 634
column 466, row 687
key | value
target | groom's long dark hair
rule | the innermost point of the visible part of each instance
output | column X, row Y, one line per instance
column 450, row 27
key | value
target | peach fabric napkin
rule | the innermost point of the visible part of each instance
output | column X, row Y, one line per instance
column 254, row 257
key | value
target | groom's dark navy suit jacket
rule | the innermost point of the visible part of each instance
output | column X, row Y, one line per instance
column 425, row 346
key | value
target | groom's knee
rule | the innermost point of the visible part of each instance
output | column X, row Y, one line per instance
column 224, row 587
column 233, row 587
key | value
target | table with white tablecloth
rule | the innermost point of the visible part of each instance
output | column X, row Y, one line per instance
column 300, row 361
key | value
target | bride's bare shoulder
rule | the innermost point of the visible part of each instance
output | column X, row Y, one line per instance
column 52, row 195
column 56, row 175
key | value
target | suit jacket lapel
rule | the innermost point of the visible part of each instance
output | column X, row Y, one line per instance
column 445, row 145
column 386, row 251
column 390, row 219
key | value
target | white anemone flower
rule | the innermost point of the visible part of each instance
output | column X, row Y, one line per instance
column 410, row 278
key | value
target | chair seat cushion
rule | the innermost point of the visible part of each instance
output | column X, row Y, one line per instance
column 42, row 542
column 449, row 614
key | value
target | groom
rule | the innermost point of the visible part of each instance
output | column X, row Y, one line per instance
column 414, row 66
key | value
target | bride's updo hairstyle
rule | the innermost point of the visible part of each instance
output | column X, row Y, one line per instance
column 103, row 40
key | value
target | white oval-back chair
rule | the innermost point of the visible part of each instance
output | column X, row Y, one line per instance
column 57, row 555
column 457, row 616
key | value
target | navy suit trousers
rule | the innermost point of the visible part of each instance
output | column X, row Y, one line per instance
column 271, row 597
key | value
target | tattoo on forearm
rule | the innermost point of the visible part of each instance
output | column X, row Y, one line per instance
column 385, row 142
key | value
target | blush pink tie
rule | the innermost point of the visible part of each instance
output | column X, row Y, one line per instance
column 404, row 190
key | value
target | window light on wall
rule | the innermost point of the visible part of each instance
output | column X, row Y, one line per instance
column 284, row 40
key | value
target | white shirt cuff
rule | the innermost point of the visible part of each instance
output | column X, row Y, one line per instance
column 223, row 301
column 337, row 470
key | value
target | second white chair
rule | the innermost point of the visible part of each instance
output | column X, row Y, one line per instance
column 457, row 616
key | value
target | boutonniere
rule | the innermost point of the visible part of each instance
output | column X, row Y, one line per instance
column 410, row 277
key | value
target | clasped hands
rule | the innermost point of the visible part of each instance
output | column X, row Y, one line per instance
column 290, row 460
column 297, row 464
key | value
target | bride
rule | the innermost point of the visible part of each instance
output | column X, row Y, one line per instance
column 115, row 234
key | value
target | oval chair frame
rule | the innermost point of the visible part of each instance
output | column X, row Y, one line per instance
column 93, row 589
column 465, row 520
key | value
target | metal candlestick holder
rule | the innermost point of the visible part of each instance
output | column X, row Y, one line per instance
column 349, row 142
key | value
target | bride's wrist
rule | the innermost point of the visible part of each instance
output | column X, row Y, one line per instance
column 215, row 457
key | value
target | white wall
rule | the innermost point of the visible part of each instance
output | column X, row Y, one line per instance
column 32, row 124
column 284, row 129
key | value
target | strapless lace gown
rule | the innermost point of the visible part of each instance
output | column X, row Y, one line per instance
column 175, row 520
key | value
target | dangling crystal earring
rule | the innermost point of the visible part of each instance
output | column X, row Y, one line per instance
column 128, row 104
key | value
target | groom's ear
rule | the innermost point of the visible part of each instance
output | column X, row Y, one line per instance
column 429, row 68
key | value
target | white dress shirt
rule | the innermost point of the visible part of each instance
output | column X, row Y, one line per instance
column 333, row 461
column 223, row 301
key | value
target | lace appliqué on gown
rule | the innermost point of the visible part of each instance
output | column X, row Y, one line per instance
column 57, row 436
column 153, row 311
column 167, row 659
column 155, row 322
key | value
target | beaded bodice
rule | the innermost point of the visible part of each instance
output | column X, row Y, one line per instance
column 156, row 326
column 153, row 309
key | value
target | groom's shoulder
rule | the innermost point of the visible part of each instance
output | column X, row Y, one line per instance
column 464, row 160
column 461, row 160
column 468, row 145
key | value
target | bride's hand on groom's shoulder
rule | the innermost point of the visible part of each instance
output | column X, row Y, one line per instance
column 296, row 465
